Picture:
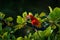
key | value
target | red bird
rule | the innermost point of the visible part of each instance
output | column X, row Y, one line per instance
column 34, row 21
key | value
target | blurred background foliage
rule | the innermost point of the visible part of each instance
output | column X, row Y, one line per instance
column 17, row 7
column 20, row 31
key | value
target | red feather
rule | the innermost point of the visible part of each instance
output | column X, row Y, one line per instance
column 35, row 21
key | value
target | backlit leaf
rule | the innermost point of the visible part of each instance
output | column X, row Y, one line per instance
column 2, row 15
column 9, row 19
column 20, row 20
column 42, row 14
column 19, row 38
column 24, row 14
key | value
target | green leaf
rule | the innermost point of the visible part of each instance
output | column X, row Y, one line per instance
column 42, row 14
column 49, row 38
column 53, row 27
column 41, row 33
column 6, row 36
column 36, row 15
column 32, row 39
column 25, row 38
column 18, row 26
column 55, row 14
column 9, row 19
column 29, row 35
column 19, row 38
column 48, row 31
column 50, row 8
column 2, row 15
column 24, row 14
column 0, row 26
column 40, row 20
column 20, row 20
column 36, row 36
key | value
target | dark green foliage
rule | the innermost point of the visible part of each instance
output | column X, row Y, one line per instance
column 21, row 30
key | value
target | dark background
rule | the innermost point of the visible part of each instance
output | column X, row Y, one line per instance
column 16, row 7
